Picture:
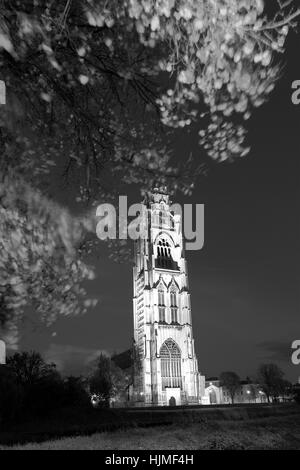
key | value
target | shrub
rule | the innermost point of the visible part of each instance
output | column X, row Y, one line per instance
column 75, row 392
column 11, row 396
column 297, row 397
column 45, row 395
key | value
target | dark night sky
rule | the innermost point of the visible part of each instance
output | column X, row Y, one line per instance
column 244, row 282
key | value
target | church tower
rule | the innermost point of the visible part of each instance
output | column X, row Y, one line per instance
column 165, row 363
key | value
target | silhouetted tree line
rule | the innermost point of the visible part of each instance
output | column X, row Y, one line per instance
column 31, row 388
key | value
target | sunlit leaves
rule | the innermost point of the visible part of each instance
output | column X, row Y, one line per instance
column 224, row 140
column 217, row 56
column 220, row 53
column 39, row 263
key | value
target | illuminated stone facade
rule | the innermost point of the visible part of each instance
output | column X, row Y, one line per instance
column 165, row 365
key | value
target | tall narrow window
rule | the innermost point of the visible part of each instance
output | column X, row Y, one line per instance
column 174, row 308
column 161, row 305
column 161, row 297
column 173, row 299
column 172, row 223
column 162, row 314
column 170, row 364
column 160, row 218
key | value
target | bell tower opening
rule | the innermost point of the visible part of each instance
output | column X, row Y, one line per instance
column 164, row 258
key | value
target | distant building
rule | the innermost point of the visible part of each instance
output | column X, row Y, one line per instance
column 296, row 387
column 165, row 362
column 216, row 394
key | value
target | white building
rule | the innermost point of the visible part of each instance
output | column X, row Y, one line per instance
column 165, row 363
column 247, row 392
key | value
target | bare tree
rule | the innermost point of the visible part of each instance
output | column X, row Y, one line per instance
column 231, row 381
column 29, row 368
column 270, row 377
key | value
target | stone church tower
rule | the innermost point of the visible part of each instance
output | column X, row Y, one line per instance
column 165, row 363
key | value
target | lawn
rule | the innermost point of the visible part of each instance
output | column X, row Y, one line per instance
column 275, row 432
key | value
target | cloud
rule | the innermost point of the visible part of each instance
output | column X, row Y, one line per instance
column 71, row 359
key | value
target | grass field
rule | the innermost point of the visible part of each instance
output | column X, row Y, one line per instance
column 265, row 433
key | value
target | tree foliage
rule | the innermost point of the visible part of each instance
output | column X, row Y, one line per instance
column 79, row 101
column 93, row 76
column 75, row 389
column 101, row 381
column 108, row 381
column 39, row 264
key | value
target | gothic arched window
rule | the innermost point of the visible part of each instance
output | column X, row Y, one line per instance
column 170, row 364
